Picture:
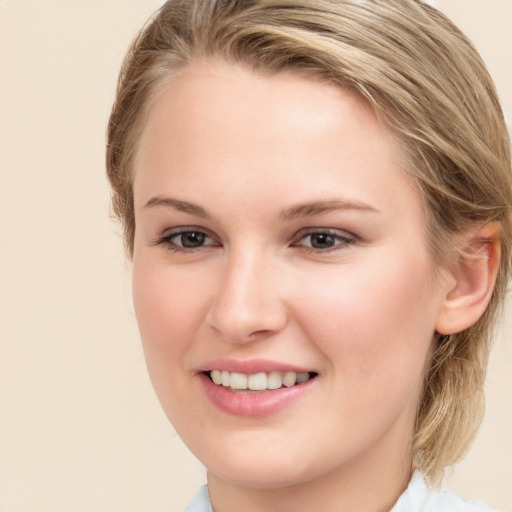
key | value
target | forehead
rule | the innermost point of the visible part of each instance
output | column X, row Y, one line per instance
column 233, row 96
column 220, row 123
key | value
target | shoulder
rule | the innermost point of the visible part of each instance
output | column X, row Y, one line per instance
column 418, row 498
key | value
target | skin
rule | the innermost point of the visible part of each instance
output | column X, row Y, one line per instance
column 245, row 149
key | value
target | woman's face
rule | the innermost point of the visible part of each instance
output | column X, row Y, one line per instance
column 278, row 237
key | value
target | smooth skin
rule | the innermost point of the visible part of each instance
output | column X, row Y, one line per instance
column 275, row 220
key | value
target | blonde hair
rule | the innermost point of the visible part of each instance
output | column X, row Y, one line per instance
column 423, row 78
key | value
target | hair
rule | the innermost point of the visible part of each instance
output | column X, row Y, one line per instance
column 423, row 78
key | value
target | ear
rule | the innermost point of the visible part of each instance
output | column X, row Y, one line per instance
column 471, row 280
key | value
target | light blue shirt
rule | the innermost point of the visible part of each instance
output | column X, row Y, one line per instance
column 416, row 498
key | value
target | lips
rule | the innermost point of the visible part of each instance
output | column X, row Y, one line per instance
column 254, row 388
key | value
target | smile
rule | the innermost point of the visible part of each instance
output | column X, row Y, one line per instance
column 260, row 381
column 254, row 389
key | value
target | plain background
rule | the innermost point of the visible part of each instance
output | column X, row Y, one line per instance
column 80, row 428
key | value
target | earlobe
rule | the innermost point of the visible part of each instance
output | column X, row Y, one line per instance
column 472, row 280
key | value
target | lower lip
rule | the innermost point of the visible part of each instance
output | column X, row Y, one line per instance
column 255, row 404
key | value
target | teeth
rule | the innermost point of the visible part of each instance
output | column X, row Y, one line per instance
column 302, row 377
column 258, row 381
column 216, row 376
column 238, row 381
column 289, row 379
column 274, row 380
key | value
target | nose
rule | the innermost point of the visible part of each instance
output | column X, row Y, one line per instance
column 248, row 303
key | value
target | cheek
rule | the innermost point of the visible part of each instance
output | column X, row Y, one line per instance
column 168, row 307
column 374, row 326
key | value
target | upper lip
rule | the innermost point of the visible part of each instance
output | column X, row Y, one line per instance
column 251, row 366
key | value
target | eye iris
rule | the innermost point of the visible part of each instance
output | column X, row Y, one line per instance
column 192, row 239
column 322, row 240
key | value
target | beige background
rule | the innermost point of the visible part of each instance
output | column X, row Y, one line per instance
column 80, row 429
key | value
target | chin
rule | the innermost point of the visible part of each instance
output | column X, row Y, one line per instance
column 262, row 475
column 264, row 467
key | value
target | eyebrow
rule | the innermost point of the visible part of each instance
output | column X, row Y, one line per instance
column 293, row 212
column 319, row 207
column 182, row 206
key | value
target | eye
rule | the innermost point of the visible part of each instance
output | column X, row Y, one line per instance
column 189, row 239
column 325, row 240
column 185, row 239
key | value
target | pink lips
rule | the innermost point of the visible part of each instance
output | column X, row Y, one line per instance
column 250, row 366
column 251, row 404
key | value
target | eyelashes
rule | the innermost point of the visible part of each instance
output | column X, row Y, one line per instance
column 191, row 239
column 324, row 240
column 186, row 239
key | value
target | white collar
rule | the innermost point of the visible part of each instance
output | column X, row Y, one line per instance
column 416, row 498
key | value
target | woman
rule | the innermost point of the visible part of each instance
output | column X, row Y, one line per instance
column 316, row 196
